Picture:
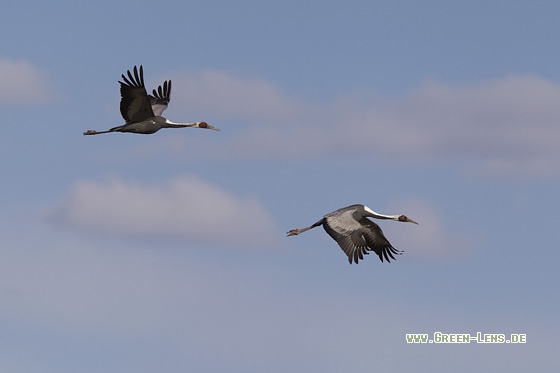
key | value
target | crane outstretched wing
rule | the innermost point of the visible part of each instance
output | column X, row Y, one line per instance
column 346, row 231
column 353, row 244
column 376, row 240
column 160, row 99
column 135, row 103
column 358, row 238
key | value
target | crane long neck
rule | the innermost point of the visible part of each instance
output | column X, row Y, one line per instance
column 170, row 124
column 390, row 217
column 377, row 215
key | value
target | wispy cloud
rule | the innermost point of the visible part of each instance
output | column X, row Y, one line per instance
column 186, row 208
column 225, row 95
column 21, row 83
column 505, row 127
column 432, row 239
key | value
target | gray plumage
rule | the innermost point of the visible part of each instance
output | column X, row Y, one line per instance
column 356, row 234
column 142, row 112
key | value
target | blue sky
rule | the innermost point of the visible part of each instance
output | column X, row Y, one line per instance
column 167, row 252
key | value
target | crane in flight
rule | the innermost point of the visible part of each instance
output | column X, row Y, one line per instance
column 356, row 234
column 142, row 112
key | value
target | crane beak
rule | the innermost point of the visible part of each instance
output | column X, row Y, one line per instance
column 212, row 128
column 411, row 221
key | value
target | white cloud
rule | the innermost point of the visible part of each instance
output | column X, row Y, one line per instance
column 431, row 238
column 21, row 83
column 187, row 208
column 506, row 127
column 228, row 96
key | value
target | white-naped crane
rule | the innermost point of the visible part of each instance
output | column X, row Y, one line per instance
column 356, row 234
column 142, row 112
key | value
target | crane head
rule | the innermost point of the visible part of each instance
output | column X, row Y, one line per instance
column 206, row 125
column 403, row 218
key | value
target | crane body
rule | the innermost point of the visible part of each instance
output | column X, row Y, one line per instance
column 356, row 234
column 142, row 112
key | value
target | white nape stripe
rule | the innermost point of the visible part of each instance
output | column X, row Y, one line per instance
column 370, row 210
column 381, row 216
